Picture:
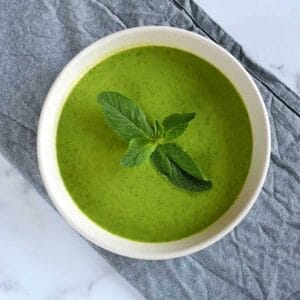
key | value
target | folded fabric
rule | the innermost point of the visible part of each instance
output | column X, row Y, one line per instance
column 260, row 259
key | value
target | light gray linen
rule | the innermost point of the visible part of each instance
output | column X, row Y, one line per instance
column 260, row 258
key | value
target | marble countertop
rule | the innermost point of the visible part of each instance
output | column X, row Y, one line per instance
column 41, row 257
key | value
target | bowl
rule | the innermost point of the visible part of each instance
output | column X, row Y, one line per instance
column 159, row 36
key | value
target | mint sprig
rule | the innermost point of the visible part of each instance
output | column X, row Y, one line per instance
column 146, row 141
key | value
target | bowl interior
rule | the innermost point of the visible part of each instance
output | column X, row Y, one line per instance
column 160, row 36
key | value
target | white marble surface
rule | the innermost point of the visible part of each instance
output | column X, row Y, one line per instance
column 41, row 257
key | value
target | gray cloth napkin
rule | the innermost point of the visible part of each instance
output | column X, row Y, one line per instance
column 260, row 258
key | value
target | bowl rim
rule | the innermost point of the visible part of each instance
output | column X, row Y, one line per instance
column 42, row 160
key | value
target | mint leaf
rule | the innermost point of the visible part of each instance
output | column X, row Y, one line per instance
column 138, row 151
column 159, row 130
column 181, row 158
column 179, row 168
column 124, row 116
column 176, row 124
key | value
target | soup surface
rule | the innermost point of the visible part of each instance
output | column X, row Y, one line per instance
column 137, row 203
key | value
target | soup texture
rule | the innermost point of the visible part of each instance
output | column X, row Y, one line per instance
column 138, row 203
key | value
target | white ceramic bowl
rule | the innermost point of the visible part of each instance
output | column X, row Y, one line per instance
column 162, row 36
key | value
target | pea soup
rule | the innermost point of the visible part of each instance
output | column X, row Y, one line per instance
column 138, row 203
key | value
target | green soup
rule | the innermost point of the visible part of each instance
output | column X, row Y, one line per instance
column 137, row 203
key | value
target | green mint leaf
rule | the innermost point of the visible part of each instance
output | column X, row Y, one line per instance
column 182, row 159
column 179, row 168
column 159, row 129
column 139, row 150
column 176, row 124
column 124, row 116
